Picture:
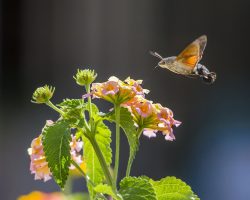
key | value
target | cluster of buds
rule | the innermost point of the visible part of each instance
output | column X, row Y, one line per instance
column 39, row 165
column 43, row 94
column 148, row 117
column 85, row 77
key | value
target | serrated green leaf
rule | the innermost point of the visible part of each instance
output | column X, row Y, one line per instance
column 127, row 124
column 171, row 188
column 105, row 189
column 56, row 145
column 73, row 109
column 103, row 138
column 133, row 188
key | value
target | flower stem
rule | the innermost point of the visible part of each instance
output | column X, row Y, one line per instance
column 104, row 167
column 132, row 156
column 50, row 104
column 68, row 186
column 79, row 169
column 117, row 143
column 87, row 87
column 102, row 162
column 85, row 176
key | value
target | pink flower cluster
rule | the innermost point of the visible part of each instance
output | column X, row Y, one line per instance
column 152, row 118
column 117, row 91
column 148, row 116
column 39, row 165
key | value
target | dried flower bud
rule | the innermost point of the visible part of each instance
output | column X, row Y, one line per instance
column 85, row 77
column 43, row 94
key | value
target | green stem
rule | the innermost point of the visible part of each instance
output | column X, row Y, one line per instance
column 50, row 104
column 68, row 186
column 87, row 87
column 139, row 132
column 132, row 156
column 117, row 141
column 86, row 126
column 102, row 162
column 104, row 166
column 79, row 169
column 85, row 176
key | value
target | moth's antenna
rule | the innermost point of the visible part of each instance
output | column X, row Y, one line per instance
column 156, row 54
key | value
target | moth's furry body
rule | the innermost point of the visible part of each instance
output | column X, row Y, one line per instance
column 172, row 64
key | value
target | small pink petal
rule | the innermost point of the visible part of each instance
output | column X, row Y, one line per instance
column 46, row 178
column 87, row 95
column 170, row 137
column 49, row 122
column 107, row 92
column 113, row 78
column 146, row 91
column 79, row 146
column 149, row 133
column 177, row 123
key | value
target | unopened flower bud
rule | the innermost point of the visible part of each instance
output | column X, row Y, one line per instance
column 85, row 77
column 43, row 94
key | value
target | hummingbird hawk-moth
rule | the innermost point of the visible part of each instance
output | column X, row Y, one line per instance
column 187, row 62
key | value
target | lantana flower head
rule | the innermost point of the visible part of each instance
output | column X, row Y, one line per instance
column 39, row 165
column 117, row 91
column 136, row 85
column 152, row 117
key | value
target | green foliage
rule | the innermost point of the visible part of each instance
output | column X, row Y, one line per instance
column 143, row 188
column 105, row 189
column 85, row 117
column 127, row 124
column 73, row 109
column 171, row 188
column 103, row 138
column 56, row 139
column 133, row 188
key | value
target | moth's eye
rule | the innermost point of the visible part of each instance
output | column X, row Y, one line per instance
column 161, row 63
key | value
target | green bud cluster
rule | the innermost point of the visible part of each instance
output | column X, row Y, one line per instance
column 43, row 94
column 85, row 77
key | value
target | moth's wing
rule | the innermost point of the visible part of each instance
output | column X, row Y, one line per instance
column 192, row 54
column 202, row 40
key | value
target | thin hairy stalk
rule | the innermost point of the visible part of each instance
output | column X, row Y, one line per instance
column 132, row 157
column 104, row 167
column 102, row 161
column 87, row 87
column 117, row 142
column 68, row 186
column 86, row 177
column 50, row 104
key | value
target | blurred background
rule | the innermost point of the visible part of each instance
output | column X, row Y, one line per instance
column 44, row 42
